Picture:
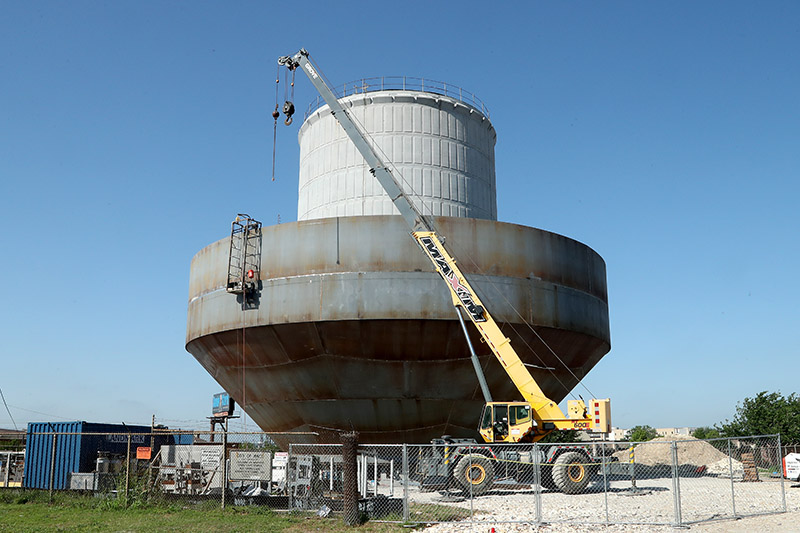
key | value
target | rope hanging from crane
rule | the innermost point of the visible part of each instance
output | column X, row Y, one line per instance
column 275, row 115
column 288, row 109
column 288, row 96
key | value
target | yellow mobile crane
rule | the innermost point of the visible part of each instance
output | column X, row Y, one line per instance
column 501, row 422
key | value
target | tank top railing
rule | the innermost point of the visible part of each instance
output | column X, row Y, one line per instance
column 402, row 83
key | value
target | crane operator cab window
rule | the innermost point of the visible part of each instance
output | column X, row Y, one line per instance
column 519, row 422
column 494, row 422
column 486, row 419
column 500, row 425
column 520, row 414
column 506, row 422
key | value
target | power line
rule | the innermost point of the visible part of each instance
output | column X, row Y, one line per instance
column 8, row 410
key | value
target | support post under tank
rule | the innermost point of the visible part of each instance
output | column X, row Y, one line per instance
column 349, row 481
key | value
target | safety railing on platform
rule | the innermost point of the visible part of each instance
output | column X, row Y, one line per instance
column 402, row 83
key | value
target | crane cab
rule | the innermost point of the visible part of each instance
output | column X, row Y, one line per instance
column 507, row 422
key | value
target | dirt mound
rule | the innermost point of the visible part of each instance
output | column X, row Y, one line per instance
column 658, row 451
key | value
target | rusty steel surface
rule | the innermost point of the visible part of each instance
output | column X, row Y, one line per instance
column 354, row 330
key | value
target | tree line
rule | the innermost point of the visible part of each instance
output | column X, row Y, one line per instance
column 767, row 413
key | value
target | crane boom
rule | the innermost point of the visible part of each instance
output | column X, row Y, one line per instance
column 410, row 213
column 545, row 412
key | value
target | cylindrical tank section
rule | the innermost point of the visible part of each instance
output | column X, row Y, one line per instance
column 441, row 148
column 352, row 329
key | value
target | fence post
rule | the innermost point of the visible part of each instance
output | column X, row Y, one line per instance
column 7, row 475
column 52, row 465
column 375, row 476
column 127, row 469
column 289, row 481
column 471, row 495
column 783, row 480
column 151, row 459
column 537, row 479
column 605, row 479
column 730, row 472
column 224, row 463
column 330, row 480
column 405, row 482
column 676, row 484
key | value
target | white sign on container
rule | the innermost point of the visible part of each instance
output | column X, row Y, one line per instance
column 209, row 458
column 248, row 465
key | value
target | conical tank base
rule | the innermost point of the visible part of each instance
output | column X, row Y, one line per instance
column 354, row 331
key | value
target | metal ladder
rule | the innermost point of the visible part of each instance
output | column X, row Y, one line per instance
column 244, row 259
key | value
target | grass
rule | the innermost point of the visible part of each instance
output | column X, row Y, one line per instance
column 30, row 511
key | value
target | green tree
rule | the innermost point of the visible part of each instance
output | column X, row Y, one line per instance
column 706, row 432
column 765, row 414
column 642, row 434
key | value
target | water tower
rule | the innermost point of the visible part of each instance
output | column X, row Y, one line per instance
column 352, row 329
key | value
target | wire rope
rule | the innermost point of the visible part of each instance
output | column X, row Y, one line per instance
column 427, row 210
column 489, row 281
column 275, row 115
column 8, row 410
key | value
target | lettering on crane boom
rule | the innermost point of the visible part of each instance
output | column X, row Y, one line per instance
column 475, row 311
column 311, row 70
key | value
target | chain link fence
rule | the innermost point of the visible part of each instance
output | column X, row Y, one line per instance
column 790, row 448
column 660, row 482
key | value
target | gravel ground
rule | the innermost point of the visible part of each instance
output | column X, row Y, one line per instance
column 704, row 500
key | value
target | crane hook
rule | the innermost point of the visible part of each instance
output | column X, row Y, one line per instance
column 288, row 110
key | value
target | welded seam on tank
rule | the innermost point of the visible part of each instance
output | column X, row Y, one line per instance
column 382, row 362
column 374, row 276
column 502, row 280
column 387, row 432
column 310, row 277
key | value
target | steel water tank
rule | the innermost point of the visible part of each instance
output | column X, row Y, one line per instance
column 353, row 329
column 441, row 149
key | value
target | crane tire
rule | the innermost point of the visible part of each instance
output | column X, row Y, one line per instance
column 571, row 473
column 474, row 473
column 546, row 479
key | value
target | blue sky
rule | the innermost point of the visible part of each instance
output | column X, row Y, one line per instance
column 666, row 136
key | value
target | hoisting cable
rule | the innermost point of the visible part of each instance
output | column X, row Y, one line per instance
column 487, row 396
column 244, row 368
column 408, row 188
column 8, row 410
column 275, row 115
column 288, row 105
column 525, row 322
column 245, row 234
column 411, row 192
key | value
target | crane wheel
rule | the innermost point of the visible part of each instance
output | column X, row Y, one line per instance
column 546, row 479
column 474, row 473
column 571, row 472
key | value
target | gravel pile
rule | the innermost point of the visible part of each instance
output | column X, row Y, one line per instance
column 659, row 452
column 722, row 468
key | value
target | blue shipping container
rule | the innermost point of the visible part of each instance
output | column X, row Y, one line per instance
column 77, row 450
